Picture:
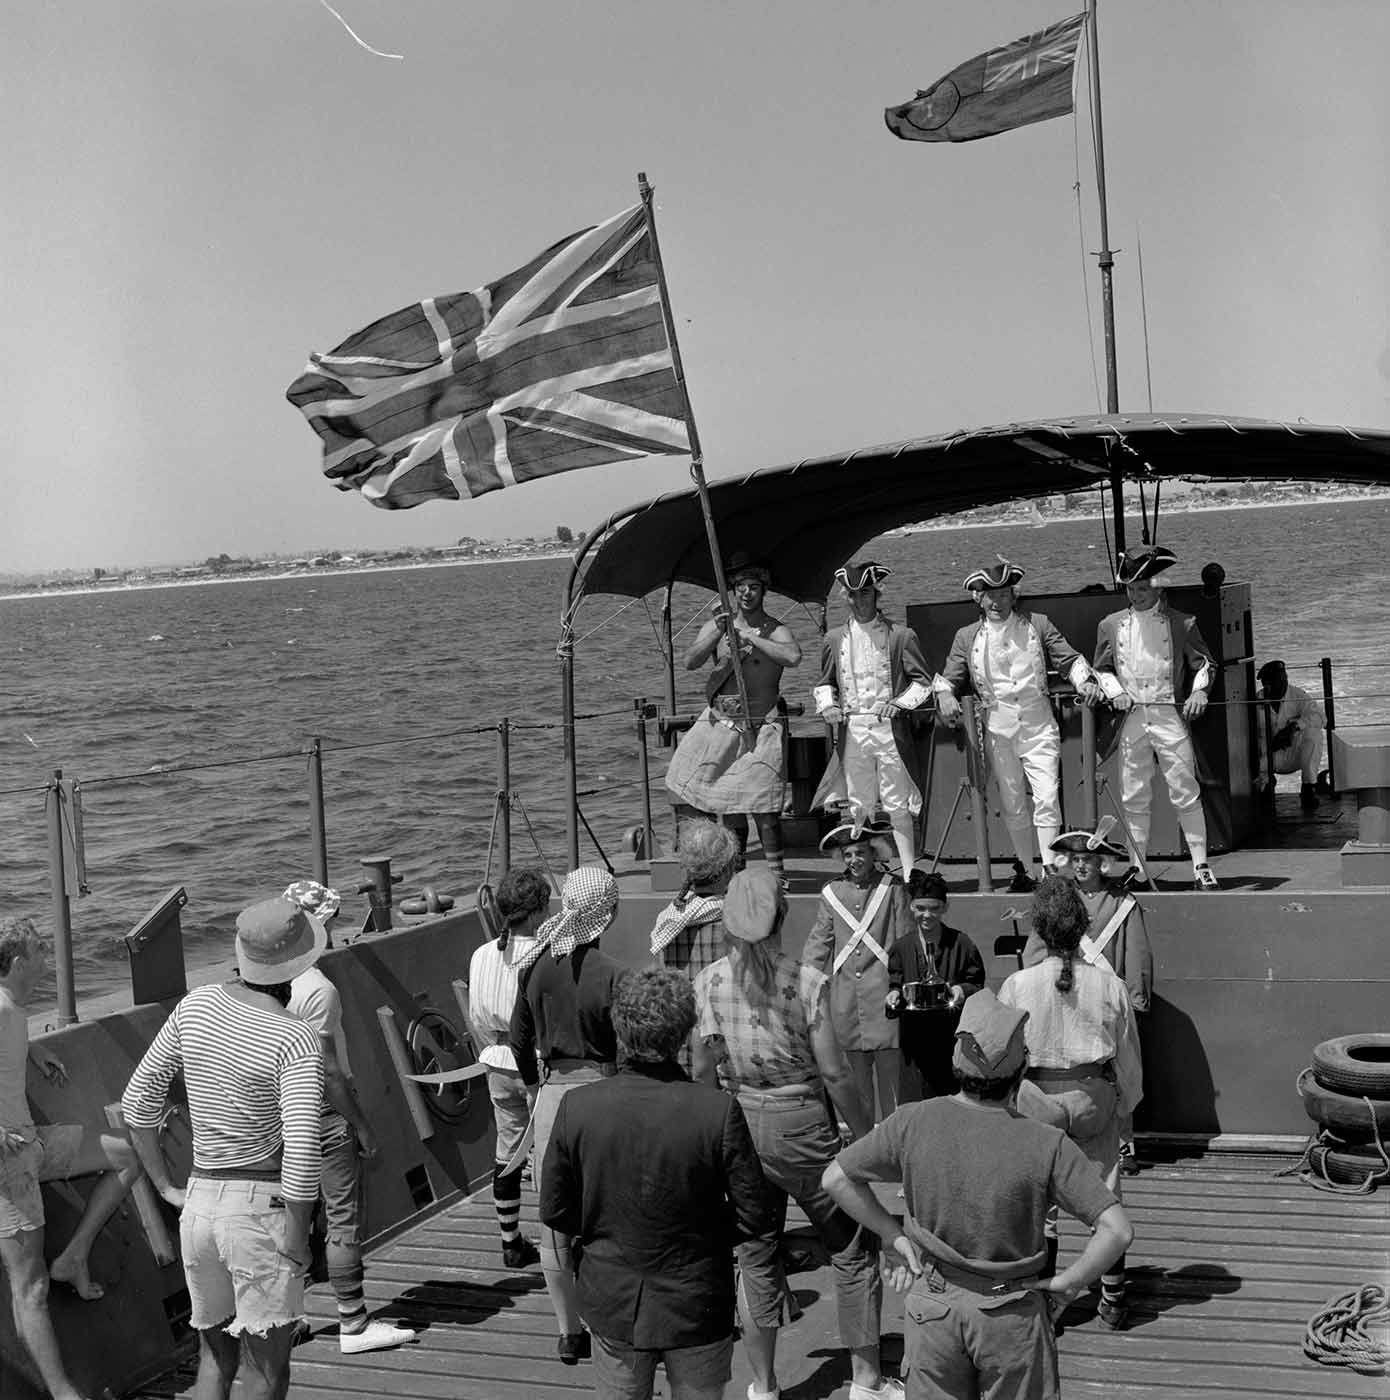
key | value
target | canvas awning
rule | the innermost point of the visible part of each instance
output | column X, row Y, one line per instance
column 807, row 518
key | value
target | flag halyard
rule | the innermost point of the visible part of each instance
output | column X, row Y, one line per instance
column 1027, row 80
column 559, row 365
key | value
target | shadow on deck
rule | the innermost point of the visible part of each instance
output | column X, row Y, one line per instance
column 1230, row 1263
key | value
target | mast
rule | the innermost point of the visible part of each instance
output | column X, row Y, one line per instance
column 1106, row 261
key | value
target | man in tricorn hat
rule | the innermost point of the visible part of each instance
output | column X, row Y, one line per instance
column 715, row 771
column 872, row 676
column 862, row 916
column 1152, row 664
column 1004, row 657
column 1296, row 726
column 977, row 1179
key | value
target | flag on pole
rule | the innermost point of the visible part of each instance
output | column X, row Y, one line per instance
column 561, row 364
column 1029, row 80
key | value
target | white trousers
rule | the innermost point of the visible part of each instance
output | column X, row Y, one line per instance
column 1304, row 754
column 1028, row 760
column 1159, row 731
column 875, row 776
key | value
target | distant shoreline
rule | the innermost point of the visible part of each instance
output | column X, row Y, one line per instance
column 1021, row 522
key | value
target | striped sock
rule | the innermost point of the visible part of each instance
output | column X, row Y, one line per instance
column 348, row 1289
column 1112, row 1283
column 506, row 1197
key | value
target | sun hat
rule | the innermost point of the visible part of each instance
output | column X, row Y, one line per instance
column 276, row 940
column 989, row 1038
column 317, row 899
column 751, row 904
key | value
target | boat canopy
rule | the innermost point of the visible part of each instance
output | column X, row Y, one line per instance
column 806, row 519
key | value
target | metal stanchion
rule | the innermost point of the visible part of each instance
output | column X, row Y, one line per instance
column 645, row 712
column 1330, row 708
column 504, row 793
column 62, row 911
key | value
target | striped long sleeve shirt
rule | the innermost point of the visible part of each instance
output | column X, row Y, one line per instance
column 255, row 1085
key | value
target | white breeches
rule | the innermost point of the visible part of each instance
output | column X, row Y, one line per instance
column 1304, row 754
column 1159, row 731
column 874, row 771
column 1028, row 761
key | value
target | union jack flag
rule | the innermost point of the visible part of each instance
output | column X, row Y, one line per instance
column 561, row 364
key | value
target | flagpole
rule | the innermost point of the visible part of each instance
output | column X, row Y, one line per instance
column 1107, row 263
column 697, row 464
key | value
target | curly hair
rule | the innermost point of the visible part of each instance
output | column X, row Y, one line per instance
column 18, row 938
column 707, row 851
column 653, row 1013
column 521, row 892
column 1060, row 919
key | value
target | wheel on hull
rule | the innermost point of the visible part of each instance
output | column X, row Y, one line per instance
column 1348, row 1117
column 1354, row 1064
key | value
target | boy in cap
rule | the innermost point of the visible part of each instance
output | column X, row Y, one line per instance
column 930, row 954
column 345, row 1140
column 1152, row 665
column 862, row 917
column 1296, row 724
column 254, row 1076
column 1004, row 658
column 977, row 1179
column 715, row 770
column 872, row 676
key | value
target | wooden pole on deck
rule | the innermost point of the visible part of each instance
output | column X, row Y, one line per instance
column 697, row 466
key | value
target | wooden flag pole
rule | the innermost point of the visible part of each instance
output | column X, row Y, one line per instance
column 697, row 466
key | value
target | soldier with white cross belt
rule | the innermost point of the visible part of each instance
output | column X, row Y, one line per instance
column 861, row 916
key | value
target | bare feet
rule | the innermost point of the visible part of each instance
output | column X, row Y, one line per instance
column 73, row 1274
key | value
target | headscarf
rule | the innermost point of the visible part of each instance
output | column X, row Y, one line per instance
column 588, row 903
column 315, row 898
column 682, row 914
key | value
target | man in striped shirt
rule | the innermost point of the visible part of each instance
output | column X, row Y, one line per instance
column 254, row 1076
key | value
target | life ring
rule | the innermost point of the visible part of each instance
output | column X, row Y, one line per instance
column 1349, row 1117
column 1355, row 1064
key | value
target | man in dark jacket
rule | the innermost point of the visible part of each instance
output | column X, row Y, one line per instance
column 655, row 1180
column 930, row 974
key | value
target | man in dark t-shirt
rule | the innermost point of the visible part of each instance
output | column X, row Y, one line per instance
column 978, row 1179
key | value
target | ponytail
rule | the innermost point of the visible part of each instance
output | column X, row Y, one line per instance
column 1064, row 977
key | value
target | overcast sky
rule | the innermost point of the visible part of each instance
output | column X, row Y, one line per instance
column 196, row 193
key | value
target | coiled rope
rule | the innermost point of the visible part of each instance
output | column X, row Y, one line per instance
column 1353, row 1331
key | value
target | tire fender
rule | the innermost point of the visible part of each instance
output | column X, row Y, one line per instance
column 1354, row 1064
column 1344, row 1114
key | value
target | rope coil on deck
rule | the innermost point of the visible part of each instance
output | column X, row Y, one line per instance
column 1352, row 1330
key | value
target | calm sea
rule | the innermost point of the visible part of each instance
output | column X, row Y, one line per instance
column 117, row 688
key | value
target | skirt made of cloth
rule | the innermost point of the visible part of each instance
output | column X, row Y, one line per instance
column 714, row 771
column 564, row 1075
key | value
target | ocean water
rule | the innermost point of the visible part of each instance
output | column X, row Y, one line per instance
column 404, row 675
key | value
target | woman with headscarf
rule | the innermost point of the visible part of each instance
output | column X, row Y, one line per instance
column 765, row 1033
column 1083, row 1046
column 562, row 1020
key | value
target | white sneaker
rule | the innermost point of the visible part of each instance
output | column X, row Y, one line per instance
column 889, row 1388
column 375, row 1336
column 755, row 1394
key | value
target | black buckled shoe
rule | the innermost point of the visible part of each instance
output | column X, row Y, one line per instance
column 1308, row 797
column 574, row 1347
column 1114, row 1315
column 520, row 1253
column 1022, row 882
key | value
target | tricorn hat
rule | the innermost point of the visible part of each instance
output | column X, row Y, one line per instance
column 1144, row 561
column 1096, row 842
column 877, row 834
column 865, row 575
column 1269, row 671
column 1000, row 575
column 276, row 940
column 741, row 564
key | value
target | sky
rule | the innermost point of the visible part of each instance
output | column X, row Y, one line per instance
column 197, row 193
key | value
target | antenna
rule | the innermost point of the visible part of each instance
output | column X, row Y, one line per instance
column 1144, row 314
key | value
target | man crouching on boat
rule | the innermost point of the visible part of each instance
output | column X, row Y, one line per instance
column 254, row 1075
column 977, row 1178
column 872, row 676
column 32, row 1154
column 714, row 770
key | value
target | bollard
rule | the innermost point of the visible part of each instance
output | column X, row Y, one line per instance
column 62, row 909
column 378, row 891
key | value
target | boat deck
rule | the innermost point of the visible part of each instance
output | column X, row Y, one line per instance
column 1230, row 1262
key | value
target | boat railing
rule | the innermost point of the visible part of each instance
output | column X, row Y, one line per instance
column 66, row 844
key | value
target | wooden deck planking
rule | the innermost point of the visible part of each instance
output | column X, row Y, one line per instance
column 1229, row 1264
